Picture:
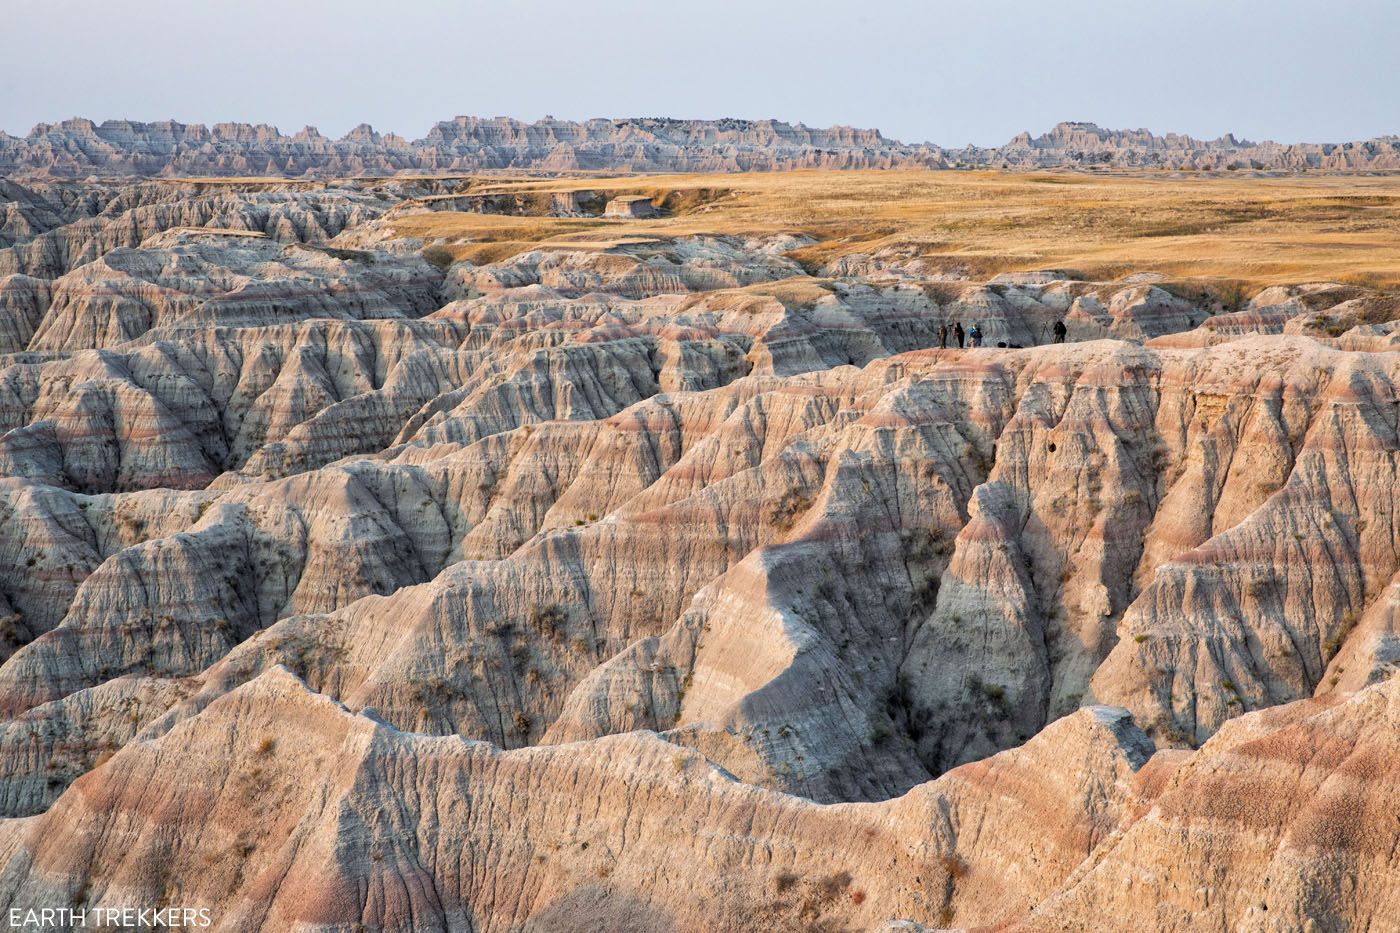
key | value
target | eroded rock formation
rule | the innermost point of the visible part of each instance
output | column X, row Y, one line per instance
column 679, row 584
column 79, row 148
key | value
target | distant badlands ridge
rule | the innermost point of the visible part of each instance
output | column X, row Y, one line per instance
column 78, row 148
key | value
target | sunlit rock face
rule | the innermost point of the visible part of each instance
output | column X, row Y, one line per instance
column 678, row 583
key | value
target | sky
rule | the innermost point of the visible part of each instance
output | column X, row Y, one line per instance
column 975, row 71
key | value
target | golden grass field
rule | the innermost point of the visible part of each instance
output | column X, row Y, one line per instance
column 1250, row 230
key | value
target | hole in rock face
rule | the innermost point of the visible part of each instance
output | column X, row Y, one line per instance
column 1051, row 448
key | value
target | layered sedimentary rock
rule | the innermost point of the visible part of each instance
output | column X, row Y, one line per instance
column 1085, row 145
column 1285, row 820
column 78, row 148
column 313, row 828
column 322, row 822
column 84, row 223
column 681, row 584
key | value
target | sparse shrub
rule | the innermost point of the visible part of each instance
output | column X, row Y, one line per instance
column 439, row 256
column 551, row 621
column 783, row 513
column 924, row 544
column 1334, row 644
column 994, row 695
column 832, row 885
column 954, row 866
column 786, row 881
column 926, row 591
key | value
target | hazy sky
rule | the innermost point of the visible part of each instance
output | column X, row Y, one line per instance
column 947, row 72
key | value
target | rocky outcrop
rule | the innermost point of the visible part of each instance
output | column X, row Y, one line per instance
column 1085, row 145
column 85, row 222
column 184, row 280
column 630, row 206
column 79, row 148
column 1028, row 516
column 677, row 583
column 936, row 853
column 1284, row 821
column 325, row 815
column 23, row 302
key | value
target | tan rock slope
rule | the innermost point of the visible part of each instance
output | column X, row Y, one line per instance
column 680, row 582
column 329, row 820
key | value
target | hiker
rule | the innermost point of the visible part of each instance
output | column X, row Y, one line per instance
column 976, row 334
column 958, row 334
column 1060, row 330
column 943, row 336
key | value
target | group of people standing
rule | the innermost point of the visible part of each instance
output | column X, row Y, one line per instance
column 975, row 334
column 959, row 335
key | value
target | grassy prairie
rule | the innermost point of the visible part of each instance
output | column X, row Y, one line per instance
column 1252, row 230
